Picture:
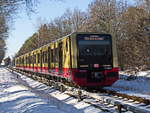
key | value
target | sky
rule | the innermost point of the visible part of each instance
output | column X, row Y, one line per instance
column 25, row 26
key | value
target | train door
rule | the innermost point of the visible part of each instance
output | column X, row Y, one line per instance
column 60, row 57
column 33, row 61
column 29, row 62
column 49, row 59
column 41, row 60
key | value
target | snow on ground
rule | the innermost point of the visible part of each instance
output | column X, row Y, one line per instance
column 24, row 95
column 140, row 86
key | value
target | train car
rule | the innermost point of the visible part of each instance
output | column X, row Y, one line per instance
column 85, row 59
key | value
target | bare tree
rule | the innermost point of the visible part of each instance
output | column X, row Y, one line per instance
column 8, row 10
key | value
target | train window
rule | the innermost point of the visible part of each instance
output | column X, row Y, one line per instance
column 34, row 59
column 52, row 55
column 38, row 57
column 66, row 46
column 19, row 60
column 29, row 59
column 56, row 55
column 46, row 56
column 42, row 57
column 22, row 60
column 26, row 61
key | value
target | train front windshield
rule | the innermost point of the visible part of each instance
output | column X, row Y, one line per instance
column 94, row 51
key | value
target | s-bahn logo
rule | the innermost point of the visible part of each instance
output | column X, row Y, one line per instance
column 96, row 65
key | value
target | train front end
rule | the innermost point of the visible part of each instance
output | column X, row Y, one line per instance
column 96, row 60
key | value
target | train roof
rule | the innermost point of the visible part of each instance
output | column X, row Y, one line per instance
column 73, row 33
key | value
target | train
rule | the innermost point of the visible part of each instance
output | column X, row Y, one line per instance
column 86, row 59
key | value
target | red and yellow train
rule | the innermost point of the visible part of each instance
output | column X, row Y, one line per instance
column 86, row 59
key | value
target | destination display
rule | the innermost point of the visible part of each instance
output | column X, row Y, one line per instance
column 93, row 38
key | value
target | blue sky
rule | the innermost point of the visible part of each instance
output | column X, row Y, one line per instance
column 25, row 26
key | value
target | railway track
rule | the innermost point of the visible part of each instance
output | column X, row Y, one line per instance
column 118, row 102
